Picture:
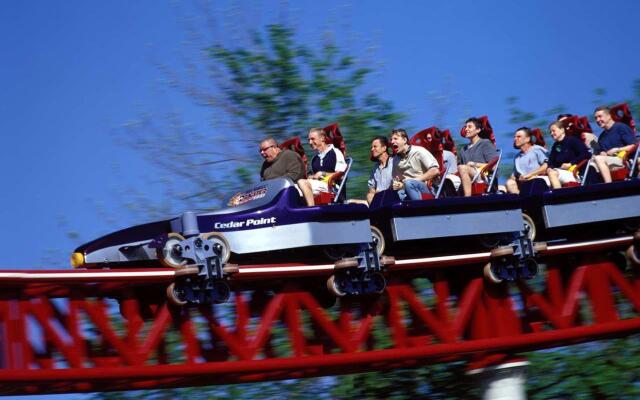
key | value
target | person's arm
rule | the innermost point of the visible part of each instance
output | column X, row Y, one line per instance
column 431, row 173
column 430, row 166
column 538, row 171
column 370, row 194
column 580, row 151
column 295, row 166
column 341, row 163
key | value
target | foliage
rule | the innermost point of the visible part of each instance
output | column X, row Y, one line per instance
column 272, row 86
column 281, row 89
column 600, row 370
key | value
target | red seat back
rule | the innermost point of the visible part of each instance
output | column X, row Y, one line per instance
column 539, row 137
column 335, row 138
column 430, row 139
column 622, row 113
column 448, row 142
column 294, row 144
column 481, row 187
column 576, row 126
column 486, row 130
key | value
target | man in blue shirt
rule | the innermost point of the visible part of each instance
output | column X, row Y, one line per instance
column 381, row 177
column 529, row 163
column 615, row 140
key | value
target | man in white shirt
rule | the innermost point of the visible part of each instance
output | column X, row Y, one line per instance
column 413, row 169
column 327, row 161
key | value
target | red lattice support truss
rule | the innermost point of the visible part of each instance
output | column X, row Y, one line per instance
column 52, row 344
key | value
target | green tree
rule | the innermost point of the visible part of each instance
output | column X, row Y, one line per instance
column 276, row 87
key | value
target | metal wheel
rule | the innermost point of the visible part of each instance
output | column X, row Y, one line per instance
column 490, row 275
column 221, row 245
column 502, row 251
column 222, row 291
column 176, row 296
column 171, row 254
column 333, row 287
column 378, row 240
column 632, row 255
column 528, row 223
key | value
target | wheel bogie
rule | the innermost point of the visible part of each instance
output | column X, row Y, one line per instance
column 170, row 255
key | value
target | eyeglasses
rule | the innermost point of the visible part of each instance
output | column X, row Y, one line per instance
column 262, row 150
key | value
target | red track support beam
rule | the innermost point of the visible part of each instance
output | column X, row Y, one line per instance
column 53, row 344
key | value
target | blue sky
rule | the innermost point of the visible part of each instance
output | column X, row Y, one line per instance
column 74, row 72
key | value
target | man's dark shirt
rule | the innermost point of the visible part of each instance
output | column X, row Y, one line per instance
column 619, row 135
column 482, row 151
column 287, row 163
column 570, row 150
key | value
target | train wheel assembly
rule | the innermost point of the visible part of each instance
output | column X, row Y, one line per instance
column 176, row 295
column 378, row 240
column 633, row 255
column 333, row 284
column 490, row 274
column 528, row 223
column 170, row 255
column 220, row 245
column 540, row 247
column 378, row 282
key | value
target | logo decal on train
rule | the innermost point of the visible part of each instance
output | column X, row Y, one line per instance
column 245, row 197
column 246, row 223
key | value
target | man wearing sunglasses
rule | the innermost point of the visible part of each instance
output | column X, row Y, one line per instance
column 279, row 163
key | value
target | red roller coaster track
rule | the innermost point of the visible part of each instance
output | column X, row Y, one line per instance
column 66, row 331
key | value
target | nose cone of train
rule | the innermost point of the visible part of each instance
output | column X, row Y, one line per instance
column 77, row 260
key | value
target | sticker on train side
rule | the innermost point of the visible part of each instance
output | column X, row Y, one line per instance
column 246, row 223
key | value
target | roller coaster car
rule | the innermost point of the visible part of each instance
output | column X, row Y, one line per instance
column 583, row 211
column 442, row 226
column 268, row 221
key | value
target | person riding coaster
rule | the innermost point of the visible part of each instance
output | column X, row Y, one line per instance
column 578, row 210
column 438, row 226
